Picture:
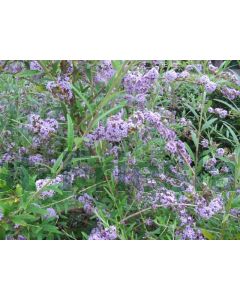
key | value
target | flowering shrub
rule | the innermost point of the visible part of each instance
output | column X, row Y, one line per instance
column 106, row 150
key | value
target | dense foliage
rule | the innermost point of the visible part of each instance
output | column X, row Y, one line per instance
column 119, row 150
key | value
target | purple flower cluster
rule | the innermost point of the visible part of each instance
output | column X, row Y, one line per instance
column 178, row 147
column 230, row 93
column 15, row 67
column 222, row 113
column 115, row 130
column 67, row 67
column 224, row 169
column 183, row 75
column 170, row 76
column 43, row 128
column 205, row 210
column 195, row 67
column 105, row 72
column 184, row 122
column 210, row 164
column 149, row 222
column 212, row 68
column 7, row 158
column 165, row 197
column 231, row 76
column 61, row 88
column 51, row 214
column 34, row 65
column 154, row 118
column 220, row 152
column 190, row 233
column 79, row 172
column 41, row 183
column 136, row 83
column 210, row 86
column 100, row 233
column 36, row 159
column 205, row 143
column 88, row 203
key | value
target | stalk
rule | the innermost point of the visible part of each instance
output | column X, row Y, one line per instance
column 199, row 135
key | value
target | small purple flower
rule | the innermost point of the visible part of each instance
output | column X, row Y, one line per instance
column 88, row 203
column 136, row 83
column 197, row 67
column 61, row 88
column 171, row 147
column 41, row 183
column 206, row 211
column 171, row 76
column 210, row 163
column 7, row 158
column 220, row 152
column 212, row 68
column 165, row 197
column 115, row 130
column 21, row 237
column 230, row 93
column 224, row 169
column 210, row 87
column 43, row 128
column 149, row 222
column 211, row 110
column 221, row 112
column 205, row 143
column 214, row 172
column 35, row 159
column 34, row 65
column 51, row 213
column 1, row 214
column 204, row 79
column 183, row 75
column 189, row 233
column 105, row 71
column 100, row 233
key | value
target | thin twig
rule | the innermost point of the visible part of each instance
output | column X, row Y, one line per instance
column 150, row 208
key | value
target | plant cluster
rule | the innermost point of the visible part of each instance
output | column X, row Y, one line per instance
column 107, row 150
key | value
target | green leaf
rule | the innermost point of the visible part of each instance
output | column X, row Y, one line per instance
column 2, row 233
column 117, row 64
column 51, row 229
column 74, row 160
column 208, row 235
column 192, row 110
column 70, row 133
column 23, row 219
column 78, row 141
column 236, row 202
column 57, row 163
column 209, row 123
column 27, row 73
column 235, row 138
column 194, row 138
column 3, row 183
column 19, row 190
column 78, row 92
column 190, row 152
column 103, row 115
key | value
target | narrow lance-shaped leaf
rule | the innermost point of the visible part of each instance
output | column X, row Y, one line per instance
column 208, row 123
column 70, row 133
